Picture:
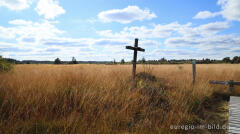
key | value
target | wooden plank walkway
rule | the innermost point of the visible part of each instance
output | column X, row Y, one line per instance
column 234, row 115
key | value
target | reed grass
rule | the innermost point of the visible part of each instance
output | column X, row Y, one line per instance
column 76, row 99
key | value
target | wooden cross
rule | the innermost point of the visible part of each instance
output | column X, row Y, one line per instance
column 135, row 48
column 231, row 83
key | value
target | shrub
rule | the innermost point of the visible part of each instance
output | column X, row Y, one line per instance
column 57, row 61
column 4, row 65
column 74, row 61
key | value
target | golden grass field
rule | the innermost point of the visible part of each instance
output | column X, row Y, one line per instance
column 98, row 99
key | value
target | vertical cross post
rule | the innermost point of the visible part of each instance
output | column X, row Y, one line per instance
column 134, row 59
column 135, row 48
column 194, row 71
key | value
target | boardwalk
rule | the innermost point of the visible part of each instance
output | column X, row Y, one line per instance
column 234, row 115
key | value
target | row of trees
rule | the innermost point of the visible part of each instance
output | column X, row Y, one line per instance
column 235, row 59
column 58, row 61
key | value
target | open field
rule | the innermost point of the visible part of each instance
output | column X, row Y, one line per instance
column 99, row 98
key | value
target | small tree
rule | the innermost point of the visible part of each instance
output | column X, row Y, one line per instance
column 74, row 61
column 114, row 61
column 207, row 61
column 57, row 61
column 226, row 60
column 162, row 60
column 143, row 60
column 236, row 59
column 122, row 61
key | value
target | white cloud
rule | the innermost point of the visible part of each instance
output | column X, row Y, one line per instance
column 230, row 9
column 6, row 33
column 211, row 28
column 83, row 42
column 206, row 14
column 37, row 30
column 217, row 40
column 163, row 31
column 20, row 22
column 28, row 30
column 44, row 41
column 16, row 4
column 158, row 31
column 126, row 15
column 49, row 9
column 217, row 46
column 177, row 37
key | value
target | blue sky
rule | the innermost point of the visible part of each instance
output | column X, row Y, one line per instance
column 100, row 29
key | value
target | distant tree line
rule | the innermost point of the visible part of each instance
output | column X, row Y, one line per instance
column 234, row 60
column 58, row 61
column 228, row 60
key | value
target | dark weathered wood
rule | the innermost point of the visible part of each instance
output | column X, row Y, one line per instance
column 236, row 83
column 223, row 82
column 194, row 71
column 135, row 48
column 234, row 115
column 135, row 58
column 231, row 83
column 218, row 82
column 130, row 47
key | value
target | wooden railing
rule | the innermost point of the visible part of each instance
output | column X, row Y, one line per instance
column 230, row 83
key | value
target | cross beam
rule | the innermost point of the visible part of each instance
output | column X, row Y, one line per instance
column 231, row 83
column 135, row 48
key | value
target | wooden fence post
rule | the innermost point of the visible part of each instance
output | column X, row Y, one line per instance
column 194, row 71
column 231, row 84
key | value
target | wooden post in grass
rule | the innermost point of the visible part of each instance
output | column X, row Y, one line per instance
column 231, row 84
column 194, row 71
column 135, row 48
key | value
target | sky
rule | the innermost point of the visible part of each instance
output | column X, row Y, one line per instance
column 99, row 30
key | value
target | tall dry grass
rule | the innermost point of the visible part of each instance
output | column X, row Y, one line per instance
column 99, row 99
